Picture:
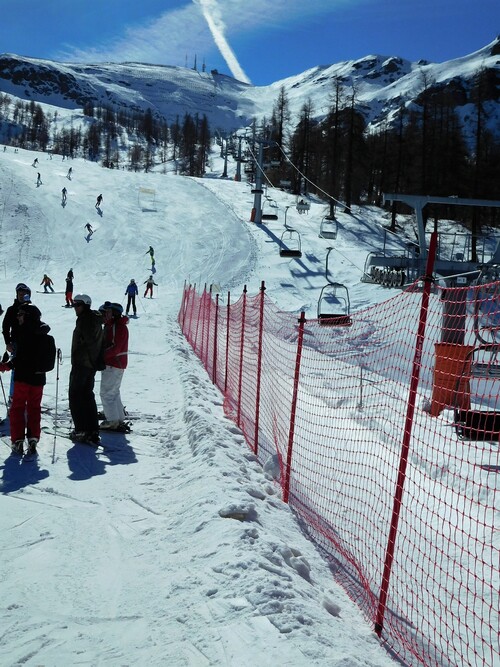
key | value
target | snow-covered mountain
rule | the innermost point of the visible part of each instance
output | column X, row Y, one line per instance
column 382, row 84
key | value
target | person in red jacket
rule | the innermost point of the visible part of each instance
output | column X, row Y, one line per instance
column 115, row 357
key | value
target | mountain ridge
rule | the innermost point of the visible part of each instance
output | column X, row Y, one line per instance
column 381, row 84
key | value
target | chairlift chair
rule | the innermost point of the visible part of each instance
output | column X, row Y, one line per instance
column 477, row 423
column 303, row 206
column 290, row 244
column 334, row 305
column 328, row 228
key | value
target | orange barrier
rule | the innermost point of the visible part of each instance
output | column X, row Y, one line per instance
column 451, row 377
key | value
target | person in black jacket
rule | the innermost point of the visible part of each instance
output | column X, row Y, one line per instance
column 10, row 325
column 25, row 411
column 86, row 349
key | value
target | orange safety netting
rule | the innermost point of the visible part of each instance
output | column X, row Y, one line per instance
column 386, row 429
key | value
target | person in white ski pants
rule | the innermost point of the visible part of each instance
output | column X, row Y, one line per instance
column 115, row 358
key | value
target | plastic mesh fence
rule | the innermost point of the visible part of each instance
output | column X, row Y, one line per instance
column 330, row 400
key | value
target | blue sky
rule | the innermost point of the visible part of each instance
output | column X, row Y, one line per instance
column 260, row 41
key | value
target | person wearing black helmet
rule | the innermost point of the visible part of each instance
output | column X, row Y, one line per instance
column 115, row 358
column 30, row 364
column 86, row 346
column 10, row 325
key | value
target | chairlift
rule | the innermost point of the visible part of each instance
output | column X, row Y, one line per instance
column 334, row 305
column 290, row 244
column 272, row 204
column 328, row 228
column 302, row 206
column 477, row 423
column 285, row 183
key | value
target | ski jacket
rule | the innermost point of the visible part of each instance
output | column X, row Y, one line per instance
column 28, row 351
column 132, row 289
column 150, row 281
column 10, row 324
column 69, row 285
column 46, row 281
column 116, row 342
column 87, row 339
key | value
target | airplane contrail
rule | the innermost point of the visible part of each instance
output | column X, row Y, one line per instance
column 213, row 17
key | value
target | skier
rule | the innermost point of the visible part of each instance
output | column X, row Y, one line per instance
column 115, row 357
column 131, row 292
column 98, row 202
column 86, row 346
column 88, row 227
column 10, row 326
column 149, row 286
column 35, row 163
column 70, row 171
column 29, row 381
column 38, row 179
column 47, row 283
column 64, row 193
column 69, row 291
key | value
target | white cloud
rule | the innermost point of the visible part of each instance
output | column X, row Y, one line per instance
column 187, row 31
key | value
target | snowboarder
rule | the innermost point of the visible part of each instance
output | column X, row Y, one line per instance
column 38, row 179
column 88, row 227
column 86, row 346
column 115, row 358
column 35, row 163
column 47, row 283
column 25, row 411
column 69, row 291
column 98, row 202
column 149, row 286
column 64, row 194
column 131, row 292
column 70, row 171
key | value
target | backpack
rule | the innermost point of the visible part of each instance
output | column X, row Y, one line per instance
column 46, row 358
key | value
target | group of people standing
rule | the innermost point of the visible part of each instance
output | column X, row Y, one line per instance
column 99, row 343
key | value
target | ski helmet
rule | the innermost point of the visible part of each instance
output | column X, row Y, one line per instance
column 22, row 287
column 118, row 308
column 83, row 298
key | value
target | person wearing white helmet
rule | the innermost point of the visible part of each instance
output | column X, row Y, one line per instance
column 86, row 352
column 115, row 358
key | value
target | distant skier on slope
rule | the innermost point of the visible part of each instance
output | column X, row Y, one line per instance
column 98, row 201
column 149, row 286
column 131, row 292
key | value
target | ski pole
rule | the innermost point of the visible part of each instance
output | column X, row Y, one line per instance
column 4, row 397
column 59, row 358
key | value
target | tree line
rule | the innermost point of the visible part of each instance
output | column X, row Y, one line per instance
column 425, row 149
column 122, row 138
